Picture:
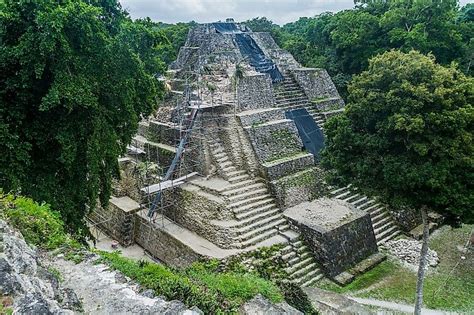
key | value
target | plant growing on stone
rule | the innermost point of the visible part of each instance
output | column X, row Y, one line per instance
column 406, row 136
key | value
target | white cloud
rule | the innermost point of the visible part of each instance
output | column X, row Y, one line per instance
column 279, row 11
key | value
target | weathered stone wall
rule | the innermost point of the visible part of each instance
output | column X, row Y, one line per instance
column 162, row 244
column 196, row 209
column 339, row 240
column 288, row 165
column 255, row 91
column 274, row 140
column 298, row 187
column 117, row 219
column 316, row 83
column 407, row 219
column 328, row 104
column 165, row 133
column 257, row 117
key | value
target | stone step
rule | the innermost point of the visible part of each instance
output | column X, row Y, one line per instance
column 249, row 194
column 388, row 237
column 377, row 211
column 222, row 160
column 315, row 277
column 238, row 178
column 385, row 233
column 359, row 201
column 259, row 238
column 365, row 204
column 241, row 184
column 236, row 173
column 228, row 169
column 241, row 190
column 289, row 256
column 303, row 271
column 299, row 258
column 286, row 251
column 344, row 195
column 259, row 217
column 297, row 244
column 379, row 217
column 350, row 197
column 248, row 230
column 300, row 264
column 249, row 201
column 225, row 164
column 372, row 207
column 255, row 211
column 339, row 190
column 381, row 222
column 383, row 227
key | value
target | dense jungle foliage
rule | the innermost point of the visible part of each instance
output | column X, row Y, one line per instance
column 343, row 42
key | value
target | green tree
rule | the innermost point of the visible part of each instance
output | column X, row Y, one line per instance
column 406, row 135
column 75, row 78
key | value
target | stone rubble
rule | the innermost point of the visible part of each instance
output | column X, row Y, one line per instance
column 25, row 284
column 409, row 251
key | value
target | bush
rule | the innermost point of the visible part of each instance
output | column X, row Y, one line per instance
column 200, row 285
column 39, row 224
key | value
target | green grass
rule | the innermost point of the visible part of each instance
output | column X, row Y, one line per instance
column 449, row 287
column 200, row 285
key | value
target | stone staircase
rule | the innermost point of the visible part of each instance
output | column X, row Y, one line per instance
column 289, row 95
column 259, row 218
column 302, row 268
column 383, row 224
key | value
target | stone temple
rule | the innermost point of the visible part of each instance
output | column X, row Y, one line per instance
column 229, row 164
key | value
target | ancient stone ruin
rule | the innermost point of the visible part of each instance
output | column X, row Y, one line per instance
column 229, row 164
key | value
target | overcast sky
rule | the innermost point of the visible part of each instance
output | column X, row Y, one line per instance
column 279, row 11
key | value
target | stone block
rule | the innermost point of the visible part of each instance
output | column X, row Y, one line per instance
column 288, row 165
column 338, row 234
column 117, row 219
column 274, row 140
column 255, row 91
column 298, row 187
column 260, row 116
column 316, row 83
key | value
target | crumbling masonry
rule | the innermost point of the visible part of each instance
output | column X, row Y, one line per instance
column 248, row 174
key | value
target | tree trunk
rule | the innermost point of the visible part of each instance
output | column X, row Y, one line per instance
column 422, row 265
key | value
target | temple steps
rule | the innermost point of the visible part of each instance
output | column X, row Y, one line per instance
column 258, row 219
column 385, row 228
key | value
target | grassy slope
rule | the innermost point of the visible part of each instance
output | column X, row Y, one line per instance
column 450, row 286
column 202, row 285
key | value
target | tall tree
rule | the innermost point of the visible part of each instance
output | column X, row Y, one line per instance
column 72, row 88
column 407, row 135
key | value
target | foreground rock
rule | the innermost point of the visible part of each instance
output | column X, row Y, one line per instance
column 261, row 306
column 26, row 287
column 104, row 291
column 409, row 252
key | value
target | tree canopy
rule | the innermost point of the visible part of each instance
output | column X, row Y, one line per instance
column 406, row 134
column 343, row 42
column 75, row 76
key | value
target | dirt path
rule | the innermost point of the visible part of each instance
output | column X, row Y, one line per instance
column 397, row 306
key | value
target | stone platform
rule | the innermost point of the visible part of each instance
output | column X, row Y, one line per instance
column 338, row 234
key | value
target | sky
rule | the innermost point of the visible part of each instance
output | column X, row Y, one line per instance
column 279, row 11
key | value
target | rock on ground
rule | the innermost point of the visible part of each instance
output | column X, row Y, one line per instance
column 261, row 306
column 25, row 285
column 409, row 251
column 104, row 291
